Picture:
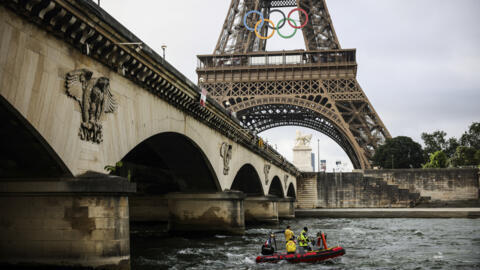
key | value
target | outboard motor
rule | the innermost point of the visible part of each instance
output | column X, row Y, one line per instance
column 267, row 247
column 267, row 250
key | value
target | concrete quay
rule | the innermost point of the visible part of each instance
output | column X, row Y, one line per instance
column 389, row 213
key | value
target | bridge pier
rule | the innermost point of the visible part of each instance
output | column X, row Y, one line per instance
column 221, row 212
column 149, row 208
column 79, row 223
column 261, row 209
column 286, row 208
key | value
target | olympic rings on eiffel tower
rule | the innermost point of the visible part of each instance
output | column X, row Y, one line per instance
column 281, row 23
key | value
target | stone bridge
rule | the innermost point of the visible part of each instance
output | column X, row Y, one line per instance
column 81, row 96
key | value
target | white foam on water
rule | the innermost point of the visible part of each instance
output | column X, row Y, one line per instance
column 248, row 260
column 354, row 230
column 438, row 256
column 187, row 251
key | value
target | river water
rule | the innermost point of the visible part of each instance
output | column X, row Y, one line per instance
column 369, row 244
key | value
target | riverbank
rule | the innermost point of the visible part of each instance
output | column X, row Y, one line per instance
column 389, row 213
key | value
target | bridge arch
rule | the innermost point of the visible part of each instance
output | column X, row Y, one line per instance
column 275, row 188
column 305, row 113
column 24, row 153
column 248, row 181
column 170, row 162
column 291, row 192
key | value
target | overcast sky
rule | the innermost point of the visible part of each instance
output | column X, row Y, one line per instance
column 418, row 60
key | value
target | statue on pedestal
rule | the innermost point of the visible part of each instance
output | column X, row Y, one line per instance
column 302, row 140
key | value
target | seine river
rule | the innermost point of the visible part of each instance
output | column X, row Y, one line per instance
column 369, row 244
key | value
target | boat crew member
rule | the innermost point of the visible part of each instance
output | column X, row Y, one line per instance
column 288, row 234
column 303, row 240
column 291, row 246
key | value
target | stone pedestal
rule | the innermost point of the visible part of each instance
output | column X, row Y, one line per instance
column 286, row 208
column 302, row 158
column 220, row 212
column 261, row 209
column 65, row 224
column 149, row 208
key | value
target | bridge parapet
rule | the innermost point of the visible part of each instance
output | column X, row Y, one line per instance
column 91, row 30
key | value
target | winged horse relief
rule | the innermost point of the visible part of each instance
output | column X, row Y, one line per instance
column 94, row 97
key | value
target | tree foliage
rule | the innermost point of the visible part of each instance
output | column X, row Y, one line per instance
column 434, row 141
column 399, row 152
column 464, row 156
column 471, row 138
column 437, row 160
column 437, row 141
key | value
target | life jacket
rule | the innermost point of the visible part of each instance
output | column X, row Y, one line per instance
column 291, row 246
column 288, row 234
column 303, row 239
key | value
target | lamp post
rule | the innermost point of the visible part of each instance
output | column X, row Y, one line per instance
column 164, row 46
column 318, row 155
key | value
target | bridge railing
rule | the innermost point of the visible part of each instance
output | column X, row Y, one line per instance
column 323, row 57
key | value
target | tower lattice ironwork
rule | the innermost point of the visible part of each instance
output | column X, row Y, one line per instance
column 314, row 88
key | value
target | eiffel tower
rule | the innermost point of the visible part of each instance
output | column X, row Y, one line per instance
column 314, row 88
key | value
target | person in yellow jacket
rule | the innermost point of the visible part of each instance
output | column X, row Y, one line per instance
column 291, row 246
column 303, row 240
column 288, row 234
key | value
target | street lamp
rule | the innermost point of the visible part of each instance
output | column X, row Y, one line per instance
column 318, row 155
column 164, row 46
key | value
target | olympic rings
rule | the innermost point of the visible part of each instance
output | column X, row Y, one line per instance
column 294, row 31
column 269, row 36
column 245, row 19
column 304, row 12
column 281, row 23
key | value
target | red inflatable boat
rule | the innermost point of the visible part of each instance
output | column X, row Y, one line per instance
column 311, row 256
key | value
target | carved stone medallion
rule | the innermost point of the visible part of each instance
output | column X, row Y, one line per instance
column 94, row 97
column 226, row 154
column 266, row 170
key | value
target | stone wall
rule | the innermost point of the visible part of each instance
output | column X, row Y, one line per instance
column 441, row 185
column 307, row 191
column 354, row 190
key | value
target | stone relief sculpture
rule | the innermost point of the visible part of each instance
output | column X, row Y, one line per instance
column 302, row 140
column 226, row 154
column 266, row 170
column 94, row 97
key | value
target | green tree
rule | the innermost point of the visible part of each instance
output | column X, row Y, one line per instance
column 451, row 147
column 434, row 142
column 471, row 138
column 437, row 160
column 464, row 156
column 399, row 152
column 437, row 141
column 477, row 157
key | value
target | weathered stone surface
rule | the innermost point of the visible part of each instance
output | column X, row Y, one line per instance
column 307, row 194
column 389, row 188
column 61, row 227
column 149, row 208
column 441, row 185
column 286, row 208
column 261, row 209
column 221, row 212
